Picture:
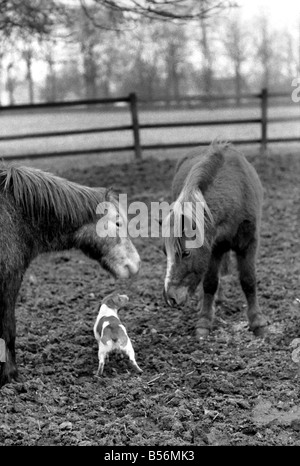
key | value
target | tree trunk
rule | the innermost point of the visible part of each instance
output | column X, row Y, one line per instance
column 10, row 84
column 29, row 78
column 90, row 74
column 107, row 78
column 172, row 81
column 52, row 78
column 175, row 81
column 238, row 83
column 299, row 51
column 1, row 76
column 207, row 58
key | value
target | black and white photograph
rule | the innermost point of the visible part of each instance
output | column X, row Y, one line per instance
column 149, row 226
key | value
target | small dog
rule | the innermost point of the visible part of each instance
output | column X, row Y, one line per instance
column 110, row 332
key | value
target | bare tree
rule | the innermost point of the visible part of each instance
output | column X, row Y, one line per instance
column 235, row 39
column 34, row 19
column 165, row 10
column 42, row 16
column 144, row 58
column 90, row 66
column 10, row 82
column 2, row 55
column 264, row 45
column 207, row 67
column 173, row 48
column 299, row 47
column 28, row 56
column 289, row 54
column 157, row 60
column 34, row 16
column 273, row 54
column 87, row 36
column 48, row 47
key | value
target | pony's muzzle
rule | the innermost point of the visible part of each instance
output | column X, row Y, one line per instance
column 175, row 296
column 126, row 261
column 131, row 268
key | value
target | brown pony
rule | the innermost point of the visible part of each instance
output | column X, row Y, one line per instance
column 40, row 212
column 231, row 196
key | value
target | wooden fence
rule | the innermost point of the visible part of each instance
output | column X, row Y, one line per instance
column 132, row 104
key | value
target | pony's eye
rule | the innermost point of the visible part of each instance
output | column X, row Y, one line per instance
column 118, row 222
column 186, row 253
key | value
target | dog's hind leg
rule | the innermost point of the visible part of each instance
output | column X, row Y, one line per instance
column 100, row 369
column 130, row 353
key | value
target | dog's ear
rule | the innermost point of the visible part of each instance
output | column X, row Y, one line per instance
column 122, row 300
column 119, row 300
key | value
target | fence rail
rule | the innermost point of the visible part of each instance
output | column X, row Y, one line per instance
column 131, row 102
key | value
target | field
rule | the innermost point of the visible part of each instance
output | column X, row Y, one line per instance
column 231, row 389
column 62, row 120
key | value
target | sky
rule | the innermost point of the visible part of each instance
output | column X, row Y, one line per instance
column 285, row 13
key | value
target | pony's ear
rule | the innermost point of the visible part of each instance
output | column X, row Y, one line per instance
column 119, row 300
column 109, row 193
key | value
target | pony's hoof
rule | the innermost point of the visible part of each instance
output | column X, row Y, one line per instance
column 202, row 333
column 260, row 331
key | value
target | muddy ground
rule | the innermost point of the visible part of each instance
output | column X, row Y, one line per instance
column 231, row 389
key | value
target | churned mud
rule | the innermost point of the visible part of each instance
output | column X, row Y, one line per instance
column 231, row 389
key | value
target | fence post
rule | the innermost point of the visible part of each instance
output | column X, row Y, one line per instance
column 264, row 119
column 135, row 125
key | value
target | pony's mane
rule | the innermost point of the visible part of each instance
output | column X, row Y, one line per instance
column 201, row 174
column 205, row 169
column 200, row 218
column 44, row 197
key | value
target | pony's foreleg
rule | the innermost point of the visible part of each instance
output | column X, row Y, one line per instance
column 247, row 273
column 225, row 269
column 9, row 290
column 210, row 286
column 8, row 369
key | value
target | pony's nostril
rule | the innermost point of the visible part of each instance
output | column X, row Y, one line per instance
column 172, row 302
column 133, row 268
column 169, row 300
column 165, row 295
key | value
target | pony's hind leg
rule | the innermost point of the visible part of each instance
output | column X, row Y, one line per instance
column 210, row 286
column 247, row 274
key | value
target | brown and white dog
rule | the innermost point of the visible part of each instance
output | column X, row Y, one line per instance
column 110, row 332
